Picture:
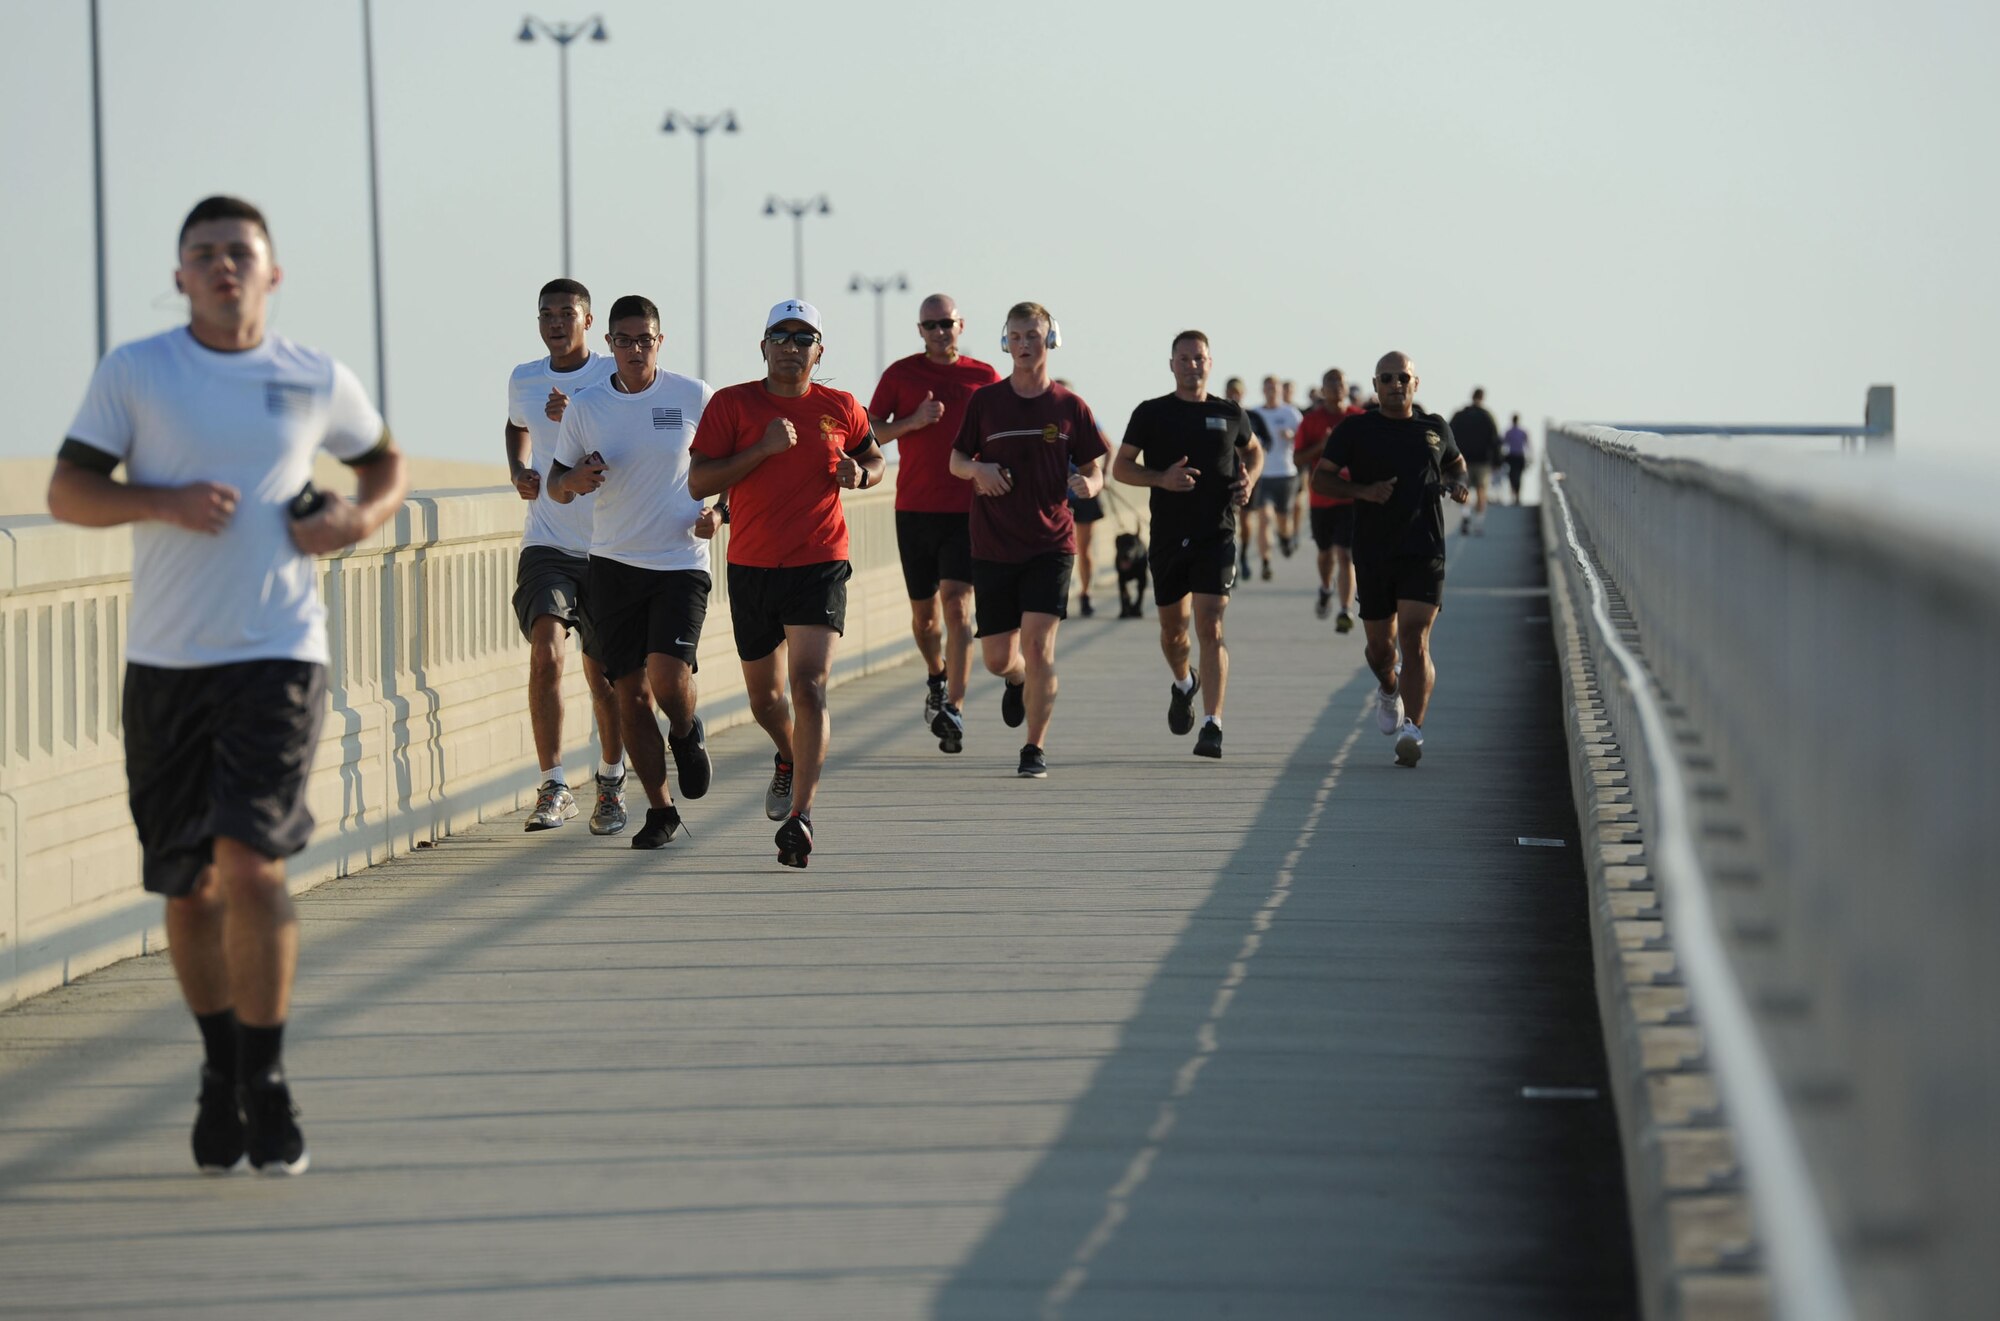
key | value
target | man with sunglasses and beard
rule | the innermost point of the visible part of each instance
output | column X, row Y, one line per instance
column 917, row 404
column 784, row 447
column 1400, row 461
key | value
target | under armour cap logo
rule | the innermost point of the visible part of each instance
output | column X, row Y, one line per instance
column 793, row 307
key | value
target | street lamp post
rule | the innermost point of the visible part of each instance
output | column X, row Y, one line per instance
column 880, row 286
column 97, row 184
column 700, row 127
column 563, row 34
column 811, row 206
column 374, row 204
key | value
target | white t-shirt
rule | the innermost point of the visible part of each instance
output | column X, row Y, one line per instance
column 1278, row 460
column 645, row 516
column 564, row 527
column 176, row 412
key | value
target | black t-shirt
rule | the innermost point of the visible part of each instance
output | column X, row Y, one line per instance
column 1414, row 450
column 1257, row 427
column 1478, row 434
column 1210, row 435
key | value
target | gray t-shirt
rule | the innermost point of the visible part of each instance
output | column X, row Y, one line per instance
column 175, row 412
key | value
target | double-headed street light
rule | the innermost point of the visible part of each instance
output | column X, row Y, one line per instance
column 701, row 128
column 880, row 286
column 562, row 34
column 811, row 206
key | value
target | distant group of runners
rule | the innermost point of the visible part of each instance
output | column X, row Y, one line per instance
column 630, row 471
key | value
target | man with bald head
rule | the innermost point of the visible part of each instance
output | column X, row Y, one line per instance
column 919, row 403
column 1400, row 462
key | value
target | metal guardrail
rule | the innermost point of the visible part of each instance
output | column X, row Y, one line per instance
column 1801, row 674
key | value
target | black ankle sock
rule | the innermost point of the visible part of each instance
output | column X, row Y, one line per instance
column 258, row 1049
column 218, row 1041
column 937, row 680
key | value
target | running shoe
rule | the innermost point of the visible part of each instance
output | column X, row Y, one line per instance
column 1288, row 545
column 1324, row 606
column 1344, row 624
column 1409, row 744
column 1034, row 765
column 1267, row 571
column 1014, row 704
column 1083, row 601
column 554, row 805
column 608, row 818
column 218, row 1125
column 662, row 824
column 778, row 798
column 1388, row 711
column 795, row 841
column 271, row 1131
column 1180, row 705
column 692, row 769
column 1465, row 526
column 950, row 729
column 1208, row 743
column 933, row 699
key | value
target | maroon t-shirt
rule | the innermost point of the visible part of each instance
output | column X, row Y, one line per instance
column 1038, row 441
column 924, row 483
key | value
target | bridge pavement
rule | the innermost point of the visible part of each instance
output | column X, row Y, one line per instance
column 1154, row 1038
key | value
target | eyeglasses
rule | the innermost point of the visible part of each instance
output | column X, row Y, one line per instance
column 1394, row 378
column 804, row 339
column 623, row 342
column 945, row 324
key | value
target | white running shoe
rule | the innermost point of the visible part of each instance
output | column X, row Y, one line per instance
column 1388, row 711
column 1409, row 744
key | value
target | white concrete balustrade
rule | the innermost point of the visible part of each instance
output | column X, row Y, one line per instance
column 427, row 729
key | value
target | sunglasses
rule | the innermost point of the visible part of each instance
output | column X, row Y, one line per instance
column 805, row 339
column 946, row 324
column 1394, row 378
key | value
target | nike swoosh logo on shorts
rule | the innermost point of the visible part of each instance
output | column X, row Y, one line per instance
column 682, row 642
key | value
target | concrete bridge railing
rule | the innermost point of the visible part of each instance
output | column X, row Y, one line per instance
column 1782, row 671
column 427, row 732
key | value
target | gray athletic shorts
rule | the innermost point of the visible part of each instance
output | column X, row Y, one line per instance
column 1275, row 492
column 548, row 581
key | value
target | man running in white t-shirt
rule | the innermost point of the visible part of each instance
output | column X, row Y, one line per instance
column 549, row 577
column 627, row 440
column 217, row 423
column 1272, row 501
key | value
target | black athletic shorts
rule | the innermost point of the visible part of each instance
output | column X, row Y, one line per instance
column 1003, row 592
column 645, row 612
column 763, row 601
column 934, row 547
column 1086, row 510
column 1332, row 525
column 1379, row 584
column 220, row 750
column 1275, row 492
column 1181, row 566
column 548, row 581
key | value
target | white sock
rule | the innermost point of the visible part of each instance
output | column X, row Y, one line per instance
column 1185, row 686
column 556, row 774
column 1214, row 720
column 610, row 770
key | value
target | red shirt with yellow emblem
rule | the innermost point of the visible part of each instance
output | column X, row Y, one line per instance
column 786, row 512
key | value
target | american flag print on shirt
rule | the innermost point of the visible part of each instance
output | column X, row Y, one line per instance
column 666, row 419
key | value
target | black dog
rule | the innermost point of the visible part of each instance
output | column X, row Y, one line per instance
column 1133, row 566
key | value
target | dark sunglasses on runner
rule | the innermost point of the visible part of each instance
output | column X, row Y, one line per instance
column 1394, row 378
column 805, row 339
column 945, row 324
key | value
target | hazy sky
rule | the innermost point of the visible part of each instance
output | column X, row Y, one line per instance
column 1703, row 211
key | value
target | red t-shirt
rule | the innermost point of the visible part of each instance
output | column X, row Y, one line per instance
column 1038, row 441
column 1317, row 426
column 924, row 483
column 787, row 511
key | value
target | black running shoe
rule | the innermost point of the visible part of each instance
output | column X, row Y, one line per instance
column 1267, row 571
column 795, row 841
column 1014, row 704
column 692, row 768
column 1180, row 706
column 662, row 824
column 1324, row 606
column 1084, row 600
column 1034, row 766
column 218, row 1125
column 271, row 1131
column 1208, row 743
column 950, row 729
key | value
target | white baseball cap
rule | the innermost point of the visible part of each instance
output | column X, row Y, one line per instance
column 793, row 309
